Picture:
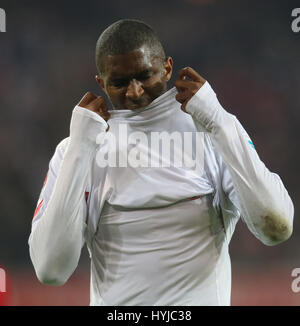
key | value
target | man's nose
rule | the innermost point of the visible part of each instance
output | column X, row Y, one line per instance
column 134, row 89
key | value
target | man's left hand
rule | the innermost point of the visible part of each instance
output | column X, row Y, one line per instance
column 187, row 88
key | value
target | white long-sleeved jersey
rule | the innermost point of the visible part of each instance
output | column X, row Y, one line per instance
column 157, row 233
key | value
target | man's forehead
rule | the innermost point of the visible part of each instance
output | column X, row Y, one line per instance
column 129, row 74
column 134, row 62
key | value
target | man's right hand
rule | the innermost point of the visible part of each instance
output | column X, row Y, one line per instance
column 96, row 104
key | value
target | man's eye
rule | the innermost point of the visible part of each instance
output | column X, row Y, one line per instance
column 145, row 77
column 120, row 84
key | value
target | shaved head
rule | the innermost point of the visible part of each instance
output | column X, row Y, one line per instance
column 125, row 36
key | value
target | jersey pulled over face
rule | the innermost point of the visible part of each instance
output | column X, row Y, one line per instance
column 133, row 80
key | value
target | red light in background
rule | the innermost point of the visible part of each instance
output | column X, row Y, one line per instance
column 4, row 287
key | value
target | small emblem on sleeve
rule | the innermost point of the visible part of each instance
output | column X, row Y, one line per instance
column 250, row 142
column 38, row 208
column 86, row 196
column 194, row 198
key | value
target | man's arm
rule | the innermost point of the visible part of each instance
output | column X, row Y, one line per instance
column 262, row 199
column 57, row 234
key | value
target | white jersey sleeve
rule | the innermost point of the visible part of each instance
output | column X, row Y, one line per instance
column 257, row 193
column 58, row 227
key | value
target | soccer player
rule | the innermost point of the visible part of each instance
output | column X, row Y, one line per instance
column 157, row 234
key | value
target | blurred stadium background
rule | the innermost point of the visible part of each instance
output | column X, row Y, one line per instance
column 246, row 49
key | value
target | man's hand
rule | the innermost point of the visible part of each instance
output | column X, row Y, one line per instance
column 96, row 104
column 187, row 88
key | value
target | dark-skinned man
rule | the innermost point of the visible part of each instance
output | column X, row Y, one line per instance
column 157, row 219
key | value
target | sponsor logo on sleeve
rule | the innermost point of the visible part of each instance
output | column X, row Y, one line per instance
column 251, row 143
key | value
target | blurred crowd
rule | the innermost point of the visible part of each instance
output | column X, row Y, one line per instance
column 246, row 49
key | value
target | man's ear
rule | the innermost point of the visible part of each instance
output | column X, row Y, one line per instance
column 100, row 81
column 168, row 66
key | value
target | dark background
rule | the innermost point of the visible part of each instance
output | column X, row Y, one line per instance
column 245, row 49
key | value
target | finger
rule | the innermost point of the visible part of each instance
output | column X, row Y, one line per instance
column 105, row 116
column 180, row 98
column 87, row 99
column 183, row 84
column 103, row 111
column 99, row 103
column 187, row 87
column 183, row 106
column 183, row 97
column 191, row 73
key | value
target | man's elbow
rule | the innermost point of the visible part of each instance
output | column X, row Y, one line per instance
column 49, row 277
column 275, row 230
column 44, row 269
column 51, row 268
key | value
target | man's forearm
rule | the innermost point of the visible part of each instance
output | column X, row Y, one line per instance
column 262, row 198
column 57, row 237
